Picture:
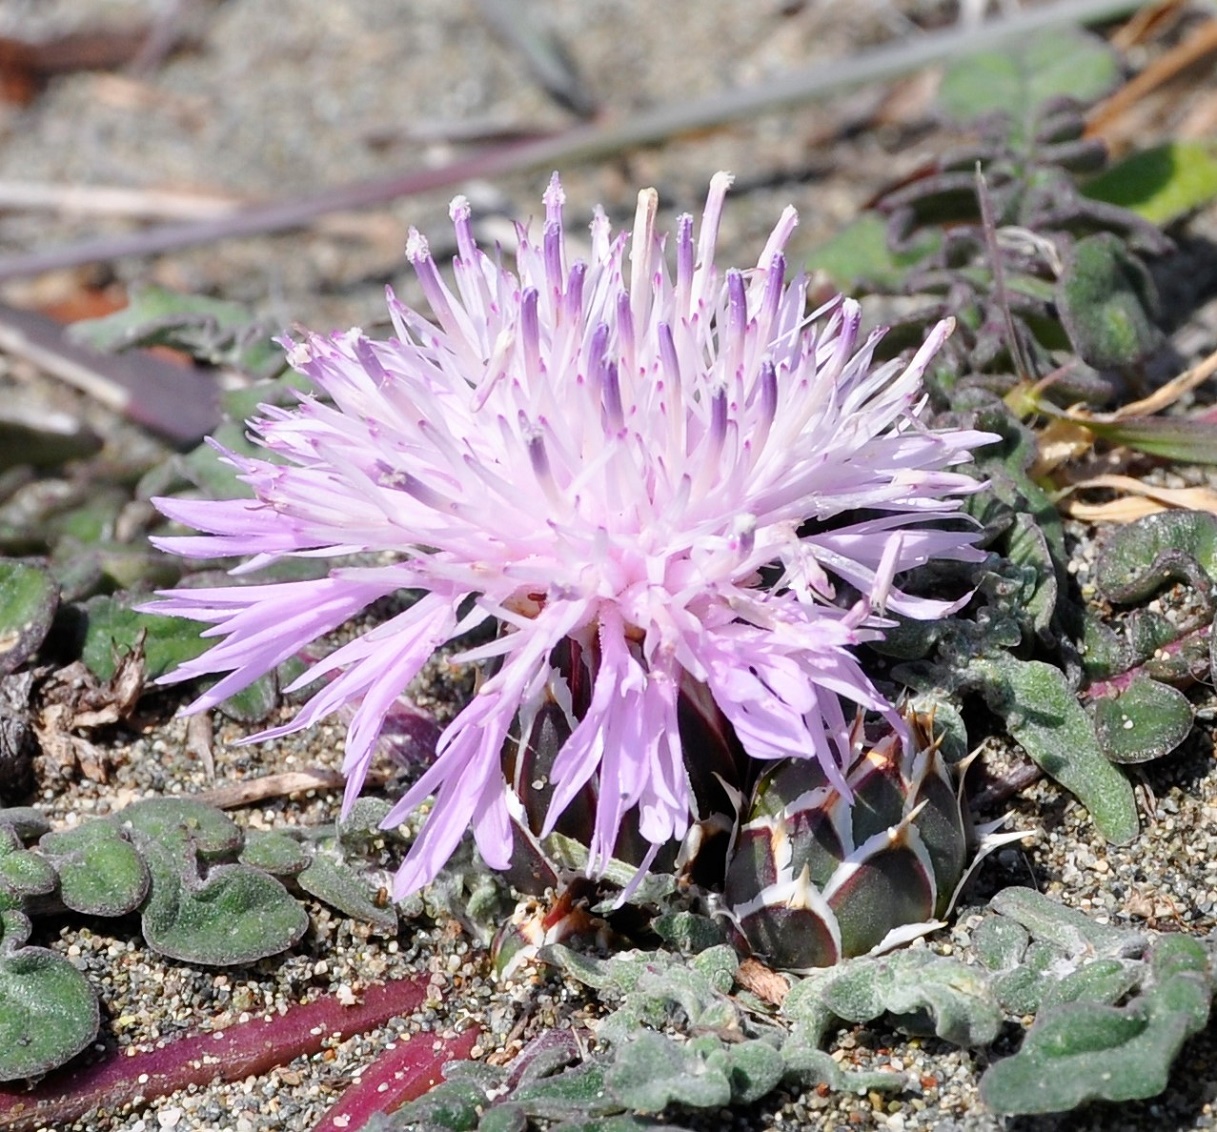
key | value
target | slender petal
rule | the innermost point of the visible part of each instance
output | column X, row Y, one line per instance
column 651, row 457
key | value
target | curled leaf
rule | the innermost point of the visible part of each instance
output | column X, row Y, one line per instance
column 1145, row 720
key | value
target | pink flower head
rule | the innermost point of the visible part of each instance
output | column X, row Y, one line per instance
column 609, row 449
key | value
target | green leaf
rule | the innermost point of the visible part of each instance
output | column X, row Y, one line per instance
column 755, row 1069
column 215, row 331
column 233, row 915
column 1021, row 989
column 1027, row 546
column 1136, row 560
column 1172, row 438
column 718, row 965
column 1162, row 184
column 48, row 1012
column 653, row 1071
column 22, row 872
column 360, row 828
column 274, row 852
column 688, row 932
column 453, row 1105
column 1066, row 929
column 112, row 629
column 1086, row 1051
column 1018, row 78
column 100, row 872
column 335, row 883
column 1044, row 717
column 171, row 823
column 1105, row 299
column 922, row 991
column 28, row 599
column 1143, row 721
column 236, row 916
column 1104, row 980
column 810, row 1066
column 859, row 255
column 506, row 1116
column 574, row 1091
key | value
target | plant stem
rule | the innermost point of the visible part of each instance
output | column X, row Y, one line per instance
column 245, row 1049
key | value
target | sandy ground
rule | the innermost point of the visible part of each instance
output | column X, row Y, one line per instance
column 279, row 97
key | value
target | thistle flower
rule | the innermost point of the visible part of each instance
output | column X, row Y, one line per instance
column 671, row 468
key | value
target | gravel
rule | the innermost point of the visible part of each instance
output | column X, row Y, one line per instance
column 281, row 97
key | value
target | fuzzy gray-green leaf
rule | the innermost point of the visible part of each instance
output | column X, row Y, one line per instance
column 170, row 822
column 453, row 1105
column 1017, row 78
column 28, row 598
column 48, row 1012
column 22, row 873
column 1087, row 1051
column 954, row 1000
column 1072, row 931
column 811, row 1066
column 688, row 932
column 335, row 883
column 1044, row 717
column 653, row 1071
column 100, row 872
column 275, row 852
column 236, row 916
column 1145, row 720
column 1101, row 980
column 1138, row 559
column 1105, row 299
column 580, row 1089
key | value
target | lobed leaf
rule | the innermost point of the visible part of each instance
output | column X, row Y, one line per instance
column 48, row 1012
column 1086, row 1050
column 1136, row 560
column 653, row 1071
column 1043, row 716
column 100, row 871
column 1142, row 721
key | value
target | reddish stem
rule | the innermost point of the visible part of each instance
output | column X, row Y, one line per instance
column 242, row 1050
column 397, row 1076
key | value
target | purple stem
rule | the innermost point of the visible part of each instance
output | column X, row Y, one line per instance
column 399, row 1075
column 245, row 1049
column 1114, row 685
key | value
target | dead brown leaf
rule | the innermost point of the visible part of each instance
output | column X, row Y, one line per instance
column 279, row 786
column 762, row 981
column 1177, row 66
column 26, row 66
column 1141, row 499
column 71, row 700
